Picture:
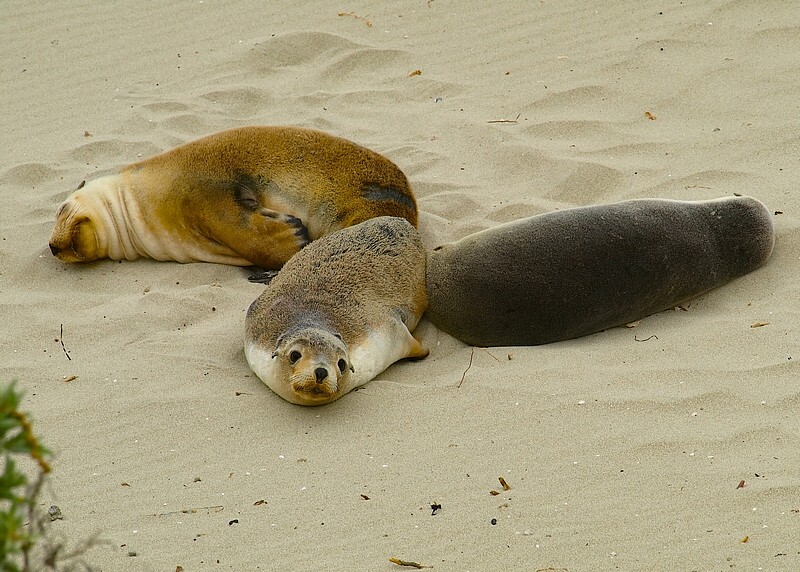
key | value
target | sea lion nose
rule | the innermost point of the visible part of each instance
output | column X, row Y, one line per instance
column 320, row 373
column 54, row 249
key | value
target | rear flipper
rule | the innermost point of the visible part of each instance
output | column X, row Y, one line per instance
column 261, row 276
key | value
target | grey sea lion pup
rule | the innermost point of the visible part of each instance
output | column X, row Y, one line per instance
column 339, row 312
column 236, row 197
column 574, row 272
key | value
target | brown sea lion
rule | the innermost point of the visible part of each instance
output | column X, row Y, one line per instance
column 248, row 196
column 339, row 312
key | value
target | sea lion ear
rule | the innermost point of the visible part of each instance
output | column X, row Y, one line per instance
column 277, row 345
column 352, row 370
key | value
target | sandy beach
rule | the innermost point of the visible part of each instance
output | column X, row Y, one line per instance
column 623, row 450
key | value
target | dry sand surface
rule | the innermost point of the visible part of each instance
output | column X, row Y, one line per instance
column 623, row 450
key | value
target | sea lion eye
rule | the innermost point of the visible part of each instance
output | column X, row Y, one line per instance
column 294, row 356
column 342, row 365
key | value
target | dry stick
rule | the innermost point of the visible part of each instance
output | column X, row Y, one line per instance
column 647, row 339
column 400, row 562
column 61, row 339
column 506, row 120
column 189, row 510
column 491, row 354
column 463, row 375
column 79, row 550
column 366, row 21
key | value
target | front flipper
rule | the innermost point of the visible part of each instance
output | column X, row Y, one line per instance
column 264, row 237
column 407, row 320
column 401, row 344
column 385, row 344
column 416, row 349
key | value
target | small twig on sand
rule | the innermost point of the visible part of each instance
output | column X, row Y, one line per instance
column 416, row 565
column 491, row 354
column 515, row 120
column 647, row 339
column 366, row 21
column 215, row 508
column 471, row 355
column 61, row 339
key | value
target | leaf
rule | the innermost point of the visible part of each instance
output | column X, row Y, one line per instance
column 18, row 444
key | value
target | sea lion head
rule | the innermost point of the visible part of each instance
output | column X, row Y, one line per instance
column 313, row 366
column 75, row 237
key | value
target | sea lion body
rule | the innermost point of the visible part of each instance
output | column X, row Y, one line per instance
column 565, row 274
column 339, row 312
column 248, row 196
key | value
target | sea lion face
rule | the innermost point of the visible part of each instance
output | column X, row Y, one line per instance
column 312, row 367
column 75, row 235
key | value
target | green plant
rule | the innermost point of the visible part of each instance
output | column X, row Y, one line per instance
column 18, row 494
column 25, row 545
